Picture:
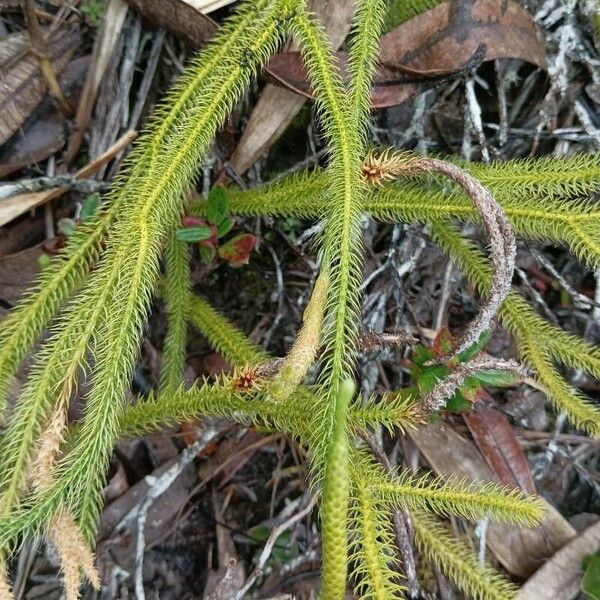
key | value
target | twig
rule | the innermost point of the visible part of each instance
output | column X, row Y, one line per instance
column 269, row 545
column 38, row 47
column 39, row 184
column 157, row 488
column 436, row 399
column 280, row 297
column 580, row 300
column 399, row 340
column 439, row 319
column 17, row 205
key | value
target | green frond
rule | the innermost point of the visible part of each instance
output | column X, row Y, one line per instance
column 538, row 341
column 342, row 241
column 448, row 496
column 334, row 504
column 364, row 49
column 112, row 307
column 456, row 559
column 223, row 336
column 372, row 548
column 22, row 326
column 580, row 410
column 395, row 412
column 176, row 294
column 548, row 177
column 206, row 399
column 535, row 214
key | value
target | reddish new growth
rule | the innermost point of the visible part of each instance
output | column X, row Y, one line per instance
column 248, row 377
column 245, row 379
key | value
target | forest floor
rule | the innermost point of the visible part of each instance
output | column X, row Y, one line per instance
column 223, row 506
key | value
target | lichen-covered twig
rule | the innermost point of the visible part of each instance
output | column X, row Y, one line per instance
column 399, row 340
column 391, row 165
column 436, row 399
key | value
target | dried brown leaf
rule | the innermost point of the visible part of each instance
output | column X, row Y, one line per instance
column 178, row 17
column 447, row 39
column 499, row 446
column 560, row 577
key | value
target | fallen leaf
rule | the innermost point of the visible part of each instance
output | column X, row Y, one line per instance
column 229, row 578
column 433, row 45
column 499, row 447
column 560, row 578
column 520, row 550
column 23, row 87
column 178, row 17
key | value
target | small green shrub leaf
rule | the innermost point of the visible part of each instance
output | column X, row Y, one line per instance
column 217, row 206
column 193, row 234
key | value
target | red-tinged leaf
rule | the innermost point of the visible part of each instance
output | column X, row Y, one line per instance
column 499, row 447
column 193, row 221
column 238, row 249
column 442, row 342
column 451, row 38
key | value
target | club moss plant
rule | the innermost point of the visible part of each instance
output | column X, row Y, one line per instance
column 95, row 297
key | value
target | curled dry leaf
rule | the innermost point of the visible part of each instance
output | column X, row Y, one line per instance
column 23, row 87
column 450, row 38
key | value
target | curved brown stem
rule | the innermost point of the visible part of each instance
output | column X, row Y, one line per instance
column 497, row 227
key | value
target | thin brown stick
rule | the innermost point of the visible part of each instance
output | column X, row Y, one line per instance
column 38, row 47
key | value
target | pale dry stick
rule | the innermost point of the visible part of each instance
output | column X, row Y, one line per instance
column 270, row 544
column 39, row 184
column 580, row 300
column 17, row 205
column 436, row 399
column 497, row 227
column 157, row 488
column 38, row 47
